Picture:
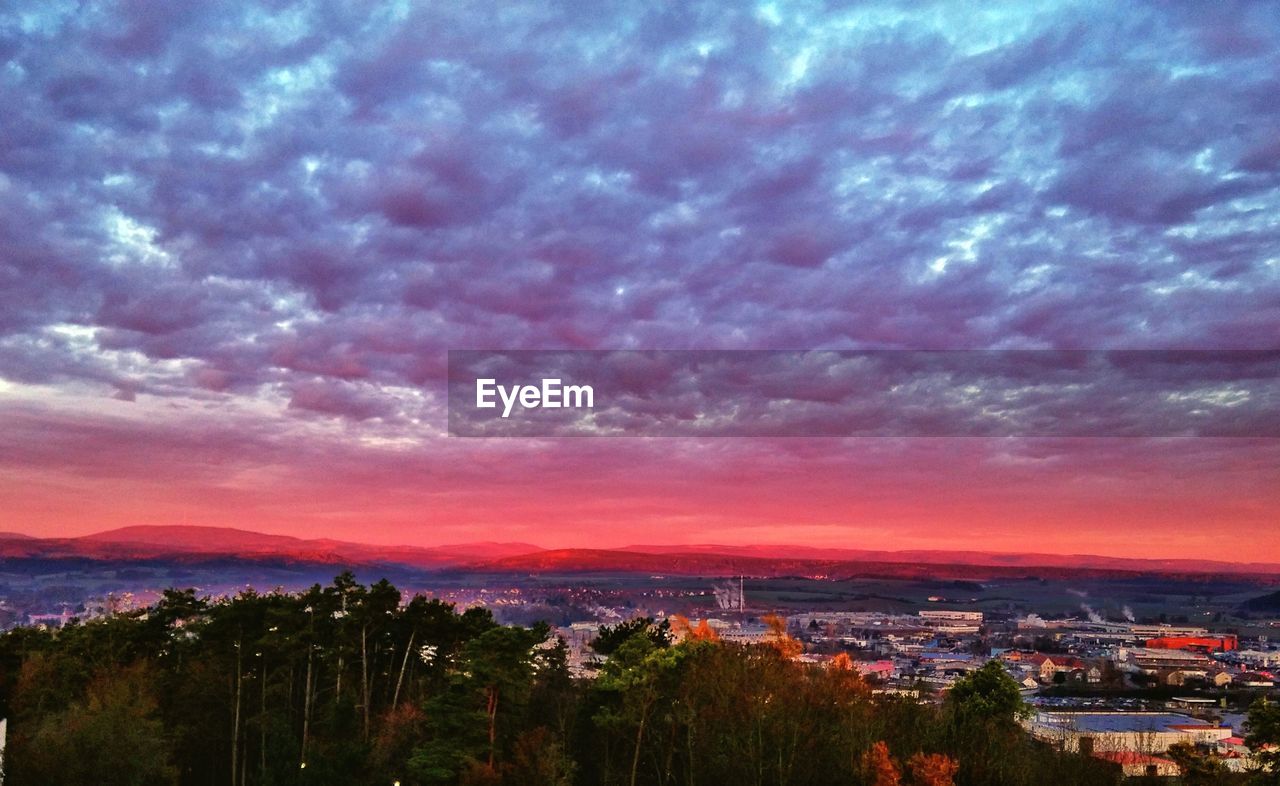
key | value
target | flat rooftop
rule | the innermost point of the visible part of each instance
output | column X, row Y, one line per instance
column 1103, row 722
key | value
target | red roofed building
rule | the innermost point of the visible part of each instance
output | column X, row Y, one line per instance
column 1138, row 765
column 1224, row 643
column 1048, row 665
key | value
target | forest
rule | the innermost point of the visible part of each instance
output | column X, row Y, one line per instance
column 348, row 684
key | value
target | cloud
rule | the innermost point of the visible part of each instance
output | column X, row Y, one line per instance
column 340, row 399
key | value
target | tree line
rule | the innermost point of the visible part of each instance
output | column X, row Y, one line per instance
column 348, row 684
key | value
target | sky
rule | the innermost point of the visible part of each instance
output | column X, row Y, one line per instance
column 238, row 240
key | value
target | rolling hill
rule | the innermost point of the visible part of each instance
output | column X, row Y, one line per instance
column 191, row 545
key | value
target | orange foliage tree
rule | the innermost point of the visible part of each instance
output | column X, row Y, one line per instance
column 933, row 769
column 781, row 641
column 684, row 630
column 880, row 766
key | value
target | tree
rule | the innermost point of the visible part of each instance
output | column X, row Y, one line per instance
column 114, row 738
column 1196, row 768
column 981, row 711
column 880, row 767
column 1263, row 738
column 610, row 638
column 932, row 769
column 479, row 713
column 539, row 759
column 682, row 629
column 988, row 694
column 400, row 730
column 500, row 664
column 641, row 674
column 779, row 639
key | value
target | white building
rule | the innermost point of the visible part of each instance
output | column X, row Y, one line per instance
column 1137, row 732
column 950, row 615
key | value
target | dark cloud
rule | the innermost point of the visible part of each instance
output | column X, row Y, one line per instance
column 884, row 393
column 339, row 399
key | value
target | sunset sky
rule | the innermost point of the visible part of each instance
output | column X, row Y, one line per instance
column 236, row 244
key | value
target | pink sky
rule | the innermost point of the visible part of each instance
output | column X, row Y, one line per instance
column 71, row 474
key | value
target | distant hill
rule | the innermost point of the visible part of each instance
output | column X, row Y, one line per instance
column 1265, row 603
column 836, row 565
column 185, row 543
column 194, row 538
column 988, row 558
column 193, row 544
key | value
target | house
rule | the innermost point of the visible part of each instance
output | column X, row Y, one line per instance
column 876, row 669
column 1176, row 678
column 1049, row 665
column 1140, row 765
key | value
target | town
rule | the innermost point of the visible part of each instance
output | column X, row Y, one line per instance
column 1121, row 690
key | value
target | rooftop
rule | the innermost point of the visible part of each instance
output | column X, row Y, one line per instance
column 1103, row 722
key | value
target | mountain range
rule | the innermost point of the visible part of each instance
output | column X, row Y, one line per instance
column 196, row 544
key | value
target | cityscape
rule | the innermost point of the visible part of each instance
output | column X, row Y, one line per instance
column 1120, row 665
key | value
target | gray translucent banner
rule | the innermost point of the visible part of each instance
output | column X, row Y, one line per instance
column 884, row 393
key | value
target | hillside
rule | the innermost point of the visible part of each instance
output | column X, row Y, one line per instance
column 187, row 545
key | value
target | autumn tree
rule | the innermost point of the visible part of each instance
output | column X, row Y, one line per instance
column 779, row 639
column 682, row 628
column 880, row 768
column 932, row 769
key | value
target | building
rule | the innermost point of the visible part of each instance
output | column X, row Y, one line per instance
column 950, row 615
column 875, row 669
column 953, row 622
column 1154, row 661
column 1191, row 703
column 1134, row 732
column 1160, row 631
column 1257, row 659
column 1141, row 765
column 1224, row 643
column 1220, row 679
column 1049, row 665
column 51, row 620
